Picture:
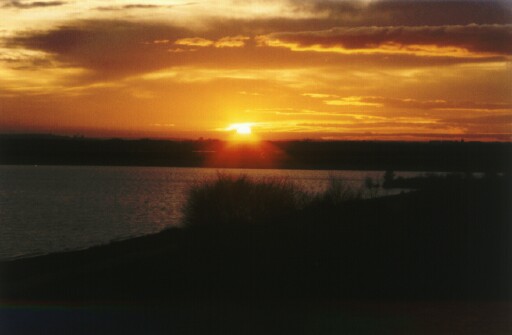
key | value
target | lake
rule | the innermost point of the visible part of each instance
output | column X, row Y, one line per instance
column 45, row 209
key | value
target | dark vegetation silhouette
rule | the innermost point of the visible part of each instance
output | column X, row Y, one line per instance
column 249, row 245
column 357, row 155
column 241, row 200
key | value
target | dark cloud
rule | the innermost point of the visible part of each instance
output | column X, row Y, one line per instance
column 134, row 6
column 495, row 39
column 324, row 15
column 111, row 48
column 410, row 13
column 140, row 6
column 122, row 48
column 116, row 48
column 34, row 4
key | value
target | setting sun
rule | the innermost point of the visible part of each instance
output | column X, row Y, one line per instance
column 241, row 128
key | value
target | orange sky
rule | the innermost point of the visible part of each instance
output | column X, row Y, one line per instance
column 293, row 69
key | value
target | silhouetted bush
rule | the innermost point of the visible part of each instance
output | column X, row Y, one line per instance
column 338, row 192
column 240, row 199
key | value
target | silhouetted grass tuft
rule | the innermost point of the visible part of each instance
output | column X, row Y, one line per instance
column 338, row 192
column 240, row 199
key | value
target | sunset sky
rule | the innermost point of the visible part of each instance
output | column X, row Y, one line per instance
column 291, row 69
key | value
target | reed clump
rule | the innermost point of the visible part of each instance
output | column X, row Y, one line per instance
column 240, row 199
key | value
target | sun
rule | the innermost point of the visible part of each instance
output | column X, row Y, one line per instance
column 241, row 128
column 242, row 132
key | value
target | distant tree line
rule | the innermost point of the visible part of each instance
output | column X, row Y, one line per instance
column 357, row 155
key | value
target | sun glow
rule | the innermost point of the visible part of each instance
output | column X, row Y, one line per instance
column 241, row 128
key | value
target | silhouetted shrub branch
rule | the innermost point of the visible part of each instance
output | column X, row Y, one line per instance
column 240, row 199
column 338, row 192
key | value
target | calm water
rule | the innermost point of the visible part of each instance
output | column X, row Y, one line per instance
column 45, row 209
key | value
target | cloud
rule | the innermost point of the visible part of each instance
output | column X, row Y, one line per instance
column 437, row 104
column 34, row 4
column 408, row 13
column 194, row 42
column 407, row 103
column 319, row 95
column 140, row 6
column 425, row 136
column 352, row 101
column 488, row 123
column 292, row 112
column 131, row 6
column 117, row 8
column 224, row 42
column 503, row 119
column 231, row 42
column 423, row 40
column 108, row 48
column 115, row 48
column 22, row 59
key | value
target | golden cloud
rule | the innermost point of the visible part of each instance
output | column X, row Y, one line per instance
column 231, row 42
column 194, row 42
column 457, row 41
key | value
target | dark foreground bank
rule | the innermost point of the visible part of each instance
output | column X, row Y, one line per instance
column 434, row 261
